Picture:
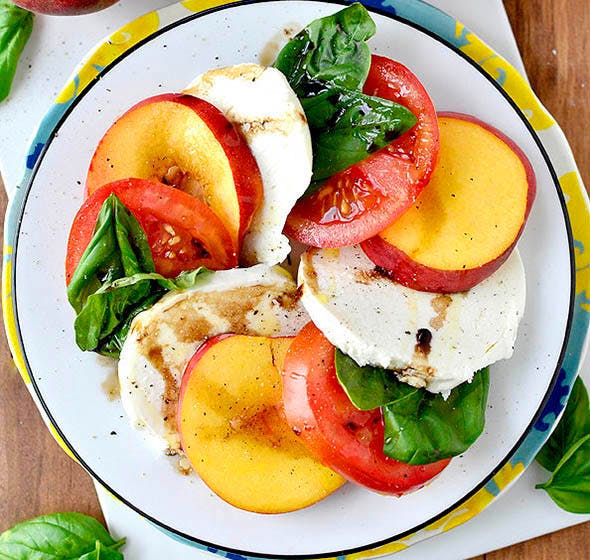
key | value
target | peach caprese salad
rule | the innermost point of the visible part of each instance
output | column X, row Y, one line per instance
column 372, row 367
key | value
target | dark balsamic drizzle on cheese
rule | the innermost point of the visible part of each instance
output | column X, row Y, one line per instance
column 423, row 339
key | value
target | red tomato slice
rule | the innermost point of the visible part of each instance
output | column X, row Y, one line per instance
column 182, row 232
column 364, row 199
column 348, row 440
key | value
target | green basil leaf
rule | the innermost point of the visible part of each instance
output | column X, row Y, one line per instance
column 106, row 309
column 104, row 321
column 569, row 485
column 102, row 552
column 327, row 64
column 574, row 424
column 112, row 344
column 370, row 387
column 420, row 427
column 186, row 279
column 330, row 49
column 56, row 536
column 423, row 427
column 117, row 249
column 115, row 280
column 16, row 25
column 348, row 125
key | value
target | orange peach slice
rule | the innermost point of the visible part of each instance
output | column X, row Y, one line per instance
column 467, row 220
column 187, row 143
column 234, row 431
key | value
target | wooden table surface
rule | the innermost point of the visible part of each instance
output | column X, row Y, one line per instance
column 36, row 477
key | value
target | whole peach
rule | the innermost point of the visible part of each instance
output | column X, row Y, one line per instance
column 64, row 7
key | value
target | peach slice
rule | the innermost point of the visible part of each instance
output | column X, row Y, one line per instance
column 467, row 220
column 187, row 143
column 234, row 431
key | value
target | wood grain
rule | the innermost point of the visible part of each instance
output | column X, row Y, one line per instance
column 36, row 477
column 554, row 39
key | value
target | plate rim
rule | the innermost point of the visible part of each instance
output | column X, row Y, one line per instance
column 18, row 205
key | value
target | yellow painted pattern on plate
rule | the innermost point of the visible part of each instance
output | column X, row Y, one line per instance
column 473, row 506
column 61, row 442
column 508, row 77
column 579, row 213
column 117, row 44
column 111, row 495
column 507, row 474
column 8, row 312
column 390, row 548
column 201, row 5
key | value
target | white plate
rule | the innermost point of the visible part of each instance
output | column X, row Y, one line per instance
column 69, row 383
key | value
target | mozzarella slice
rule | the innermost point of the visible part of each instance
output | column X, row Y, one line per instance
column 261, row 103
column 258, row 301
column 379, row 322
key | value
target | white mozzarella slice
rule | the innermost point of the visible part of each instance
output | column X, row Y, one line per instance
column 261, row 103
column 259, row 300
column 376, row 321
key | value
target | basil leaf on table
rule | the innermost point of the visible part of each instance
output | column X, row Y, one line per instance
column 59, row 536
column 420, row 427
column 16, row 25
column 327, row 64
column 567, row 454
column 574, row 424
column 569, row 485
column 102, row 553
column 331, row 49
column 115, row 280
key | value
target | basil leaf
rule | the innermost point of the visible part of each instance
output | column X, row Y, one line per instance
column 567, row 454
column 16, row 25
column 574, row 424
column 105, row 319
column 569, row 485
column 422, row 427
column 370, row 387
column 327, row 64
column 102, row 553
column 112, row 344
column 57, row 536
column 348, row 125
column 117, row 249
column 106, row 309
column 330, row 49
column 115, row 280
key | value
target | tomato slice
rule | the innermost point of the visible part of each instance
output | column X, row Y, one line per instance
column 364, row 199
column 348, row 440
column 183, row 233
